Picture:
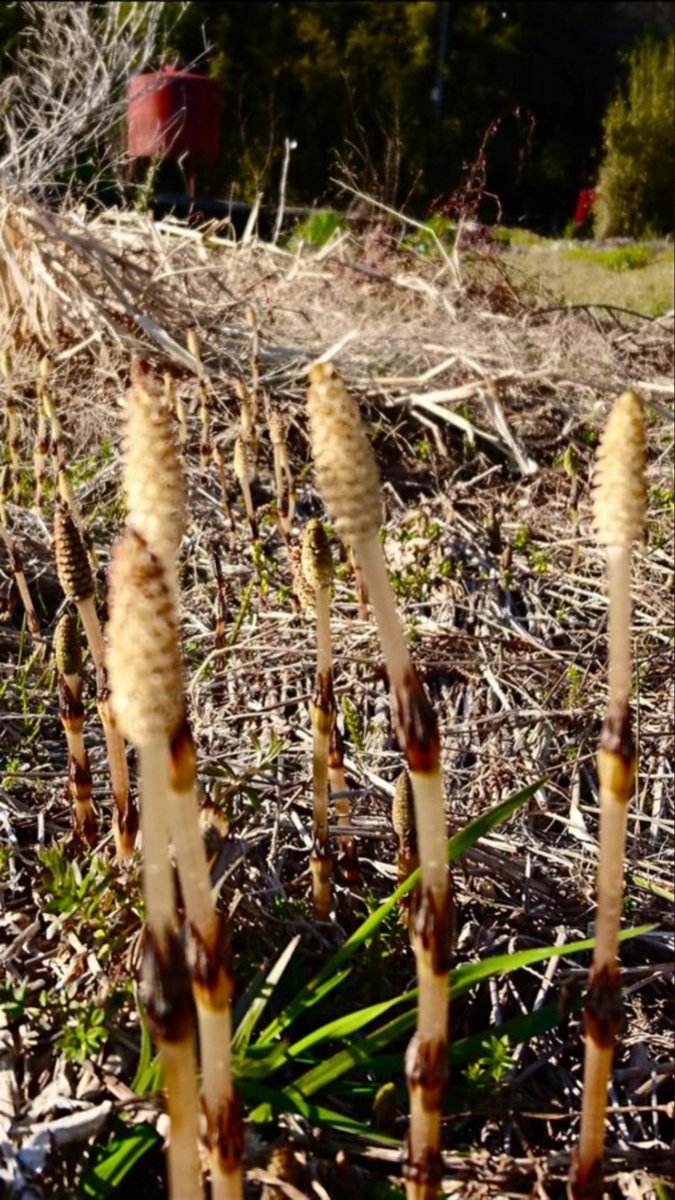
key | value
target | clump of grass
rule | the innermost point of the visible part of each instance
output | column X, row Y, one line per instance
column 68, row 657
column 620, row 505
column 349, row 480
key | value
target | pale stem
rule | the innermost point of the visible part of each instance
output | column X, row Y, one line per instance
column 92, row 630
column 597, row 1071
column 180, row 1072
column 153, row 761
column 613, row 820
column 186, row 835
column 392, row 638
column 324, row 651
column 215, row 1035
column 432, row 838
column 320, row 781
column 620, row 661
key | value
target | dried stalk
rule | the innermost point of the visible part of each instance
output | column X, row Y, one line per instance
column 20, row 580
column 283, row 476
column 147, row 690
column 13, row 425
column 77, row 582
column 219, row 459
column 69, row 664
column 620, row 506
column 242, row 470
column 349, row 480
column 348, row 860
column 317, row 565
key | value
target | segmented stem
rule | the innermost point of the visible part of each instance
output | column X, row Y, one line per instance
column 619, row 511
column 349, row 480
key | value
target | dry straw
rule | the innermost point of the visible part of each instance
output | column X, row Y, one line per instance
column 620, row 502
column 349, row 480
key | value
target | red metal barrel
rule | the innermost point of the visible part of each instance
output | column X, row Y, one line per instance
column 174, row 113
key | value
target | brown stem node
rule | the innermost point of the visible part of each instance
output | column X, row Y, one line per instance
column 416, row 725
column 166, row 987
column 603, row 1008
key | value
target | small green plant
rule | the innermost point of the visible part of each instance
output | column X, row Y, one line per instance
column 493, row 1068
column 318, row 228
column 85, row 1033
column 575, row 686
column 621, row 258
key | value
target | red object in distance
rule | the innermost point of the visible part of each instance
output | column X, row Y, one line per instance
column 585, row 205
column 174, row 114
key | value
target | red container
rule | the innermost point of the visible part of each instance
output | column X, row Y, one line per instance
column 174, row 114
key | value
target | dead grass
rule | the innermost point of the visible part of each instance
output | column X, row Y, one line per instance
column 500, row 582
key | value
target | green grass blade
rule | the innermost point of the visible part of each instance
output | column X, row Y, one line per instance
column 114, row 1161
column 261, row 997
column 461, row 980
column 457, row 846
column 344, row 1026
column 272, row 1102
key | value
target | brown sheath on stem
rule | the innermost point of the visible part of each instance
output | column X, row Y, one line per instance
column 349, row 480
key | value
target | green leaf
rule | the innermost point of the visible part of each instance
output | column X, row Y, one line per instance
column 261, row 997
column 457, row 846
column 117, row 1159
column 461, row 980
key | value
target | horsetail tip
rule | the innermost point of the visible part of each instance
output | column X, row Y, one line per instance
column 317, row 560
column 277, row 427
column 144, row 663
column 345, row 464
column 620, row 491
column 403, row 810
column 67, row 646
column 241, row 462
column 72, row 565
